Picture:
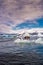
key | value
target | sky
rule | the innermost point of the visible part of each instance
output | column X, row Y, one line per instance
column 21, row 15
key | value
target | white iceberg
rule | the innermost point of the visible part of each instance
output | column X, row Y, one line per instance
column 22, row 41
column 39, row 40
column 24, row 38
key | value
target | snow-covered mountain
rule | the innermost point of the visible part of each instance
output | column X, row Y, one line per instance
column 21, row 31
column 32, row 32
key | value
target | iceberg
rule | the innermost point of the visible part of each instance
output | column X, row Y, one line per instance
column 39, row 40
column 26, row 38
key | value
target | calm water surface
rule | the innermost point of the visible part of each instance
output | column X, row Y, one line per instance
column 27, row 53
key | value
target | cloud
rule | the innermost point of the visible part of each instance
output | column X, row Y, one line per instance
column 20, row 31
column 8, row 29
column 18, row 11
column 21, row 10
column 4, row 28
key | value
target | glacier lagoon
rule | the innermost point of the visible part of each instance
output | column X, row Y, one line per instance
column 20, row 53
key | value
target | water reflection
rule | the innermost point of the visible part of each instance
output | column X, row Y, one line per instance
column 21, row 52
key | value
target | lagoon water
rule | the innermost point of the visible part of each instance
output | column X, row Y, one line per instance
column 21, row 53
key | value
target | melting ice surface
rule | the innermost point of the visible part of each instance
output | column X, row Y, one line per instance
column 21, row 52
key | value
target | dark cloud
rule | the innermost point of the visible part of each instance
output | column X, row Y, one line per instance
column 2, row 4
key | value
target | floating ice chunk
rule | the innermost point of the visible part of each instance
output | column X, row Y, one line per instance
column 39, row 40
